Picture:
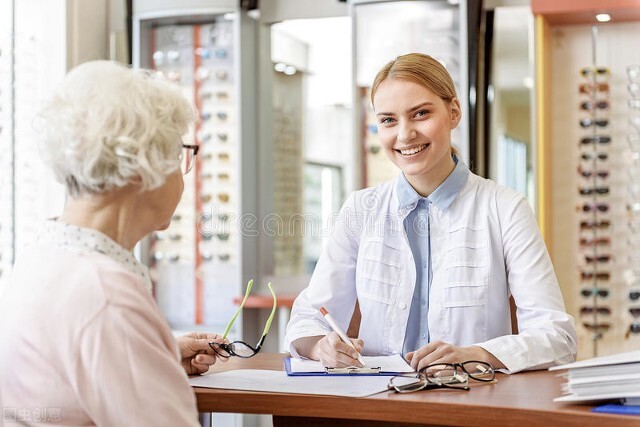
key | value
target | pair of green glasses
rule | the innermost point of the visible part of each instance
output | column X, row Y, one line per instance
column 241, row 348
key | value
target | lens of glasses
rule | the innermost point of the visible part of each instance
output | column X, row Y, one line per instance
column 480, row 371
column 241, row 349
column 443, row 374
column 187, row 157
column 220, row 349
column 407, row 383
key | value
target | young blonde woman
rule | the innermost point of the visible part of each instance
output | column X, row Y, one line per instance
column 433, row 256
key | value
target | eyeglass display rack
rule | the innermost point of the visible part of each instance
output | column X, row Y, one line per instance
column 595, row 221
column 633, row 206
column 609, row 189
column 203, row 260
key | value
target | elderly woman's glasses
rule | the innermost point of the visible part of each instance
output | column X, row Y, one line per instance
column 241, row 348
column 188, row 157
column 444, row 375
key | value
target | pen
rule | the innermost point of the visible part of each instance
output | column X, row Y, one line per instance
column 338, row 331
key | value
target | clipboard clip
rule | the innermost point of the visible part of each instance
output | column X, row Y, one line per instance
column 352, row 370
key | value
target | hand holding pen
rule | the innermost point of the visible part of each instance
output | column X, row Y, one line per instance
column 336, row 349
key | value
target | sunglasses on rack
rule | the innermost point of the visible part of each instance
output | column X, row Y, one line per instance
column 634, row 328
column 586, row 310
column 589, row 88
column 588, row 275
column 592, row 207
column 585, row 123
column 597, row 241
column 594, row 71
column 594, row 105
column 591, row 259
column 598, row 139
column 585, row 191
column 597, row 327
column 593, row 156
column 592, row 292
column 593, row 225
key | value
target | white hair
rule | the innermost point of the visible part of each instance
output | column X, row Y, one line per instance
column 108, row 126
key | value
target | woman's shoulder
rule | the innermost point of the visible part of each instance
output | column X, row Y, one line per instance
column 489, row 188
column 372, row 198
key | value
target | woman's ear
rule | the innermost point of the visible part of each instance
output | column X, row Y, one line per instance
column 455, row 112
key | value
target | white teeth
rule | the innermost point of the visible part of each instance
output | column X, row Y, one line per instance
column 413, row 150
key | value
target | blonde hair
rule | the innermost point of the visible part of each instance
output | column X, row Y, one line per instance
column 423, row 70
column 108, row 126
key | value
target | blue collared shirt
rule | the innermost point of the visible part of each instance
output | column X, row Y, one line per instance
column 417, row 227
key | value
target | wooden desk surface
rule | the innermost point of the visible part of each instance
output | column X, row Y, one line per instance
column 524, row 399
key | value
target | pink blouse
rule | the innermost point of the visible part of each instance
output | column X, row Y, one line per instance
column 82, row 342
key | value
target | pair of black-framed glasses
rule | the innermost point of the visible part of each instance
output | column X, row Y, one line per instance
column 444, row 375
column 188, row 157
column 241, row 348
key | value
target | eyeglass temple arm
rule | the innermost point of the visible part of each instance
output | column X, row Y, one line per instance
column 233, row 319
column 273, row 312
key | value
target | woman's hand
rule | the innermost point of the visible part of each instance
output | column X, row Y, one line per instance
column 333, row 352
column 442, row 352
column 196, row 354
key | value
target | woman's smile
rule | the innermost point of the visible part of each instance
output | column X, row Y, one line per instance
column 413, row 150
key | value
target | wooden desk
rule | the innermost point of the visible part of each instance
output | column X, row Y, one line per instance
column 524, row 399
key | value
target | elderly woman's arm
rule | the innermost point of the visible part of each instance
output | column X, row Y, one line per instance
column 126, row 372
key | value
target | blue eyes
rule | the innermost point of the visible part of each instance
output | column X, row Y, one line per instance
column 418, row 115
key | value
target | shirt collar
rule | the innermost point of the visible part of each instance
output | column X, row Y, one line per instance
column 442, row 197
column 85, row 240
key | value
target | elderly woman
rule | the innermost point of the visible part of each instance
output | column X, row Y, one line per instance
column 83, row 341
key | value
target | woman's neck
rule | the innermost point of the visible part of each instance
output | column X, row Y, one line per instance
column 109, row 213
column 425, row 185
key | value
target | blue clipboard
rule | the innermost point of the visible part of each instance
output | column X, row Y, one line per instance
column 349, row 371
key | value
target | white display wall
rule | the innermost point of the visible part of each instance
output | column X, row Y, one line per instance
column 33, row 59
column 597, row 266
